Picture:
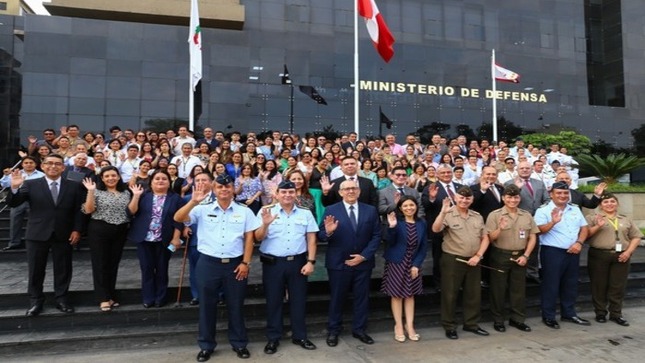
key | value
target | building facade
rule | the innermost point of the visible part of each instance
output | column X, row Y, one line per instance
column 580, row 64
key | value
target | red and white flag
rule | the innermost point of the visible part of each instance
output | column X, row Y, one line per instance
column 505, row 75
column 376, row 27
column 195, row 46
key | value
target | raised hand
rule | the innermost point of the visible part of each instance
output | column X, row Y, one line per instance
column 136, row 190
column 503, row 222
column 445, row 205
column 397, row 197
column 484, row 185
column 200, row 192
column 600, row 220
column 63, row 130
column 16, row 179
column 267, row 217
column 32, row 139
column 324, row 184
column 519, row 182
column 433, row 190
column 600, row 188
column 330, row 224
column 556, row 215
column 89, row 184
column 391, row 219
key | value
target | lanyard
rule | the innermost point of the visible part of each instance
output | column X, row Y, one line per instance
column 614, row 223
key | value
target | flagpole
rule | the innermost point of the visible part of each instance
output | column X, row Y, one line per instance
column 356, row 68
column 191, row 104
column 492, row 77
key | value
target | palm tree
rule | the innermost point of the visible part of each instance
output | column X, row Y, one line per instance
column 611, row 168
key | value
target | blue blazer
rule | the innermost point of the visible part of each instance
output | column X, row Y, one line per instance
column 345, row 241
column 396, row 241
column 141, row 220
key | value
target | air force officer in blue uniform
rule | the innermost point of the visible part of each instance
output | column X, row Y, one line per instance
column 353, row 233
column 288, row 255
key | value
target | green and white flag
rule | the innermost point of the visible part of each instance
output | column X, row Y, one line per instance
column 195, row 46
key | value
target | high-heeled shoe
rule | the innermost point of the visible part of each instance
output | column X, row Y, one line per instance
column 413, row 337
column 399, row 338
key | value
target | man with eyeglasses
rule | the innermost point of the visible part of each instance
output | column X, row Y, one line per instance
column 349, row 167
column 509, row 172
column 55, row 224
column 49, row 135
column 389, row 197
column 353, row 233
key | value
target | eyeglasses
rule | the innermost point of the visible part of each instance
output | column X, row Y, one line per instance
column 510, row 162
column 48, row 133
column 350, row 189
column 53, row 163
column 400, row 175
column 141, row 135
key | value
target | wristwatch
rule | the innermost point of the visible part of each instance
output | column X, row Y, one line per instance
column 313, row 262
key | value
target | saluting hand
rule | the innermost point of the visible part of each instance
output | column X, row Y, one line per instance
column 89, row 184
column 330, row 224
column 267, row 217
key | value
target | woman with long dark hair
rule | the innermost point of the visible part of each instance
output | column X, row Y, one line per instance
column 304, row 199
column 270, row 178
column 248, row 188
column 107, row 230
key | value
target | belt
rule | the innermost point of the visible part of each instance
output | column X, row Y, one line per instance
column 509, row 252
column 607, row 250
column 223, row 261
column 287, row 258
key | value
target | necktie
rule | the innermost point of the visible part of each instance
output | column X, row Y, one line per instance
column 451, row 194
column 495, row 192
column 529, row 187
column 351, row 178
column 401, row 191
column 352, row 217
column 53, row 188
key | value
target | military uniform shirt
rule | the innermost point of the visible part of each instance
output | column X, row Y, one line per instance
column 462, row 236
column 287, row 234
column 516, row 234
column 564, row 233
column 605, row 237
column 220, row 232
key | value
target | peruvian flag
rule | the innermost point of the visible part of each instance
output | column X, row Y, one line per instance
column 379, row 32
column 195, row 46
column 505, row 75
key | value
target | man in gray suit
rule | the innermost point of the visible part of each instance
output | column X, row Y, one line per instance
column 533, row 194
column 389, row 197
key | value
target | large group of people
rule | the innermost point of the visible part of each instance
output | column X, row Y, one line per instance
column 512, row 209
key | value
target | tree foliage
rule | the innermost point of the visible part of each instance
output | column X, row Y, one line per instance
column 576, row 144
column 639, row 140
column 610, row 168
column 506, row 130
column 425, row 132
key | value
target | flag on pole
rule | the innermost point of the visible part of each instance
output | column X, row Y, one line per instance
column 195, row 46
column 376, row 27
column 285, row 76
column 505, row 75
column 311, row 92
column 384, row 119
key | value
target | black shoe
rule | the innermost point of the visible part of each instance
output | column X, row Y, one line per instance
column 499, row 327
column 304, row 344
column 271, row 347
column 518, row 325
column 452, row 334
column 34, row 310
column 17, row 247
column 601, row 318
column 484, row 285
column 478, row 331
column 65, row 307
column 242, row 353
column 363, row 338
column 576, row 320
column 332, row 340
column 551, row 323
column 194, row 302
column 147, row 306
column 534, row 279
column 160, row 304
column 620, row 321
column 204, row 355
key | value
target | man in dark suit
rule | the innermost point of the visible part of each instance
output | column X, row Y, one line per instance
column 349, row 167
column 487, row 196
column 55, row 223
column 389, row 197
column 432, row 197
column 578, row 198
column 79, row 170
column 353, row 233
column 351, row 143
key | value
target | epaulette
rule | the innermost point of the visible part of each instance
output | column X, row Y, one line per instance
column 269, row 206
column 573, row 205
column 241, row 204
column 474, row 212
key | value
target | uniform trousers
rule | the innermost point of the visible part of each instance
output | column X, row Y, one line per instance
column 153, row 261
column 106, row 247
column 37, row 255
column 213, row 276
column 455, row 275
column 608, row 281
column 340, row 283
column 512, row 280
column 275, row 277
column 559, row 279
